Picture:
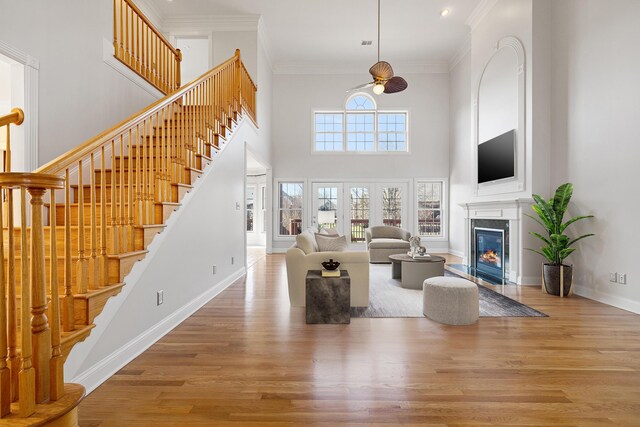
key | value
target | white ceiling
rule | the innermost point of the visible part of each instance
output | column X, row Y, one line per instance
column 330, row 32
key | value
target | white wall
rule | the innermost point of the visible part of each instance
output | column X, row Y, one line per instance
column 295, row 97
column 208, row 229
column 505, row 18
column 460, row 154
column 195, row 57
column 595, row 111
column 80, row 95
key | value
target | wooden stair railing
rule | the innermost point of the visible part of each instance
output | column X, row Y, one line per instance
column 139, row 45
column 106, row 200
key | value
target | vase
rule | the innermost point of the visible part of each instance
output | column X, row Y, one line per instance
column 551, row 276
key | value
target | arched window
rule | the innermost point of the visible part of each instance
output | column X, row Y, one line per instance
column 360, row 127
column 360, row 101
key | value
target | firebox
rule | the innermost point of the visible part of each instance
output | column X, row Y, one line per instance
column 489, row 251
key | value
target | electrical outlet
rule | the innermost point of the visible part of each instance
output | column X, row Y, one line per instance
column 160, row 297
column 232, row 260
column 215, row 268
column 613, row 277
column 622, row 278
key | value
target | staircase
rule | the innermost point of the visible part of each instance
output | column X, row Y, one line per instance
column 73, row 229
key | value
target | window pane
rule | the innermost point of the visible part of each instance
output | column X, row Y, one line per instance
column 290, row 208
column 250, row 205
column 328, row 130
column 392, row 130
column 429, row 209
column 360, row 102
column 392, row 206
column 359, row 213
column 360, row 132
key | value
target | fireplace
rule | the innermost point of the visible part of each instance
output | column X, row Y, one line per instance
column 490, row 251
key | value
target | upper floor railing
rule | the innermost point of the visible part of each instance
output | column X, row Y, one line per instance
column 142, row 47
column 16, row 117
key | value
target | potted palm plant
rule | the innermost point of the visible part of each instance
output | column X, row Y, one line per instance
column 557, row 245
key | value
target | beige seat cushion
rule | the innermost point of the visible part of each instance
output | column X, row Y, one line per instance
column 388, row 244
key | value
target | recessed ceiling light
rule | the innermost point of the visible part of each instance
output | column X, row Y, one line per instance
column 445, row 12
column 367, row 42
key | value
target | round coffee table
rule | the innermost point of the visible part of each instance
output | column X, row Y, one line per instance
column 413, row 272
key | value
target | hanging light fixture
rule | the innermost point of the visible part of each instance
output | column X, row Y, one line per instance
column 383, row 79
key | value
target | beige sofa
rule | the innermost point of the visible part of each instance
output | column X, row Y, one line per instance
column 385, row 240
column 299, row 262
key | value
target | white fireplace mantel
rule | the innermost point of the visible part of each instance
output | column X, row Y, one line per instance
column 522, row 266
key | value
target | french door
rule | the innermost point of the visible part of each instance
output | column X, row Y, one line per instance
column 327, row 210
column 352, row 207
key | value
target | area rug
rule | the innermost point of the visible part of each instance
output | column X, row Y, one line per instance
column 388, row 299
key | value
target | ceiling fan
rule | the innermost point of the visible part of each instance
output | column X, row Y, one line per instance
column 382, row 73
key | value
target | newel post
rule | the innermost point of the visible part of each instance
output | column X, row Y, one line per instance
column 41, row 334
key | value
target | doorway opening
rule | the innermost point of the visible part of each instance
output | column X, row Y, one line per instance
column 255, row 208
column 12, row 92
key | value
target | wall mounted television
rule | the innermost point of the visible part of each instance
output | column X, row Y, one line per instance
column 496, row 158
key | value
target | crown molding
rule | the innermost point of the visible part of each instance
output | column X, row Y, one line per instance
column 479, row 13
column 213, row 22
column 151, row 12
column 460, row 53
column 309, row 68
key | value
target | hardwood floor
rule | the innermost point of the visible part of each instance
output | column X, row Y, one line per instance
column 247, row 358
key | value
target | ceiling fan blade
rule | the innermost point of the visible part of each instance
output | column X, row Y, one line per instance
column 361, row 86
column 381, row 70
column 395, row 84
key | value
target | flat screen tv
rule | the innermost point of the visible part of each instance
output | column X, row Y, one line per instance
column 496, row 158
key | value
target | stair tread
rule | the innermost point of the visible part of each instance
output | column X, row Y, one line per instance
column 128, row 254
column 101, row 290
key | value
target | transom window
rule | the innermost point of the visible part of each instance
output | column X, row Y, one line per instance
column 360, row 128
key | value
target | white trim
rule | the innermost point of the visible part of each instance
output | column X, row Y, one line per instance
column 315, row 68
column 517, row 183
column 444, row 209
column 247, row 22
column 263, row 40
column 456, row 252
column 614, row 300
column 279, row 250
column 30, row 107
column 151, row 12
column 479, row 13
column 104, row 369
column 460, row 53
column 276, row 207
column 109, row 59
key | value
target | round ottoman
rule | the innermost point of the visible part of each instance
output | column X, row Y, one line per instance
column 450, row 300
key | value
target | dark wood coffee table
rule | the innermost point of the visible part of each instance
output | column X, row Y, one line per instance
column 413, row 272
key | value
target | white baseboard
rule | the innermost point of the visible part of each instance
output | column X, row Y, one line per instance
column 109, row 59
column 279, row 250
column 616, row 301
column 456, row 253
column 103, row 370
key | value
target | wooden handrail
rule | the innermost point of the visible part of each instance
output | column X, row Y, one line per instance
column 110, row 189
column 143, row 48
column 152, row 27
column 16, row 117
column 68, row 158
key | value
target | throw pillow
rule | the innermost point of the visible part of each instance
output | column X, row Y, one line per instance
column 331, row 243
column 306, row 242
column 329, row 231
